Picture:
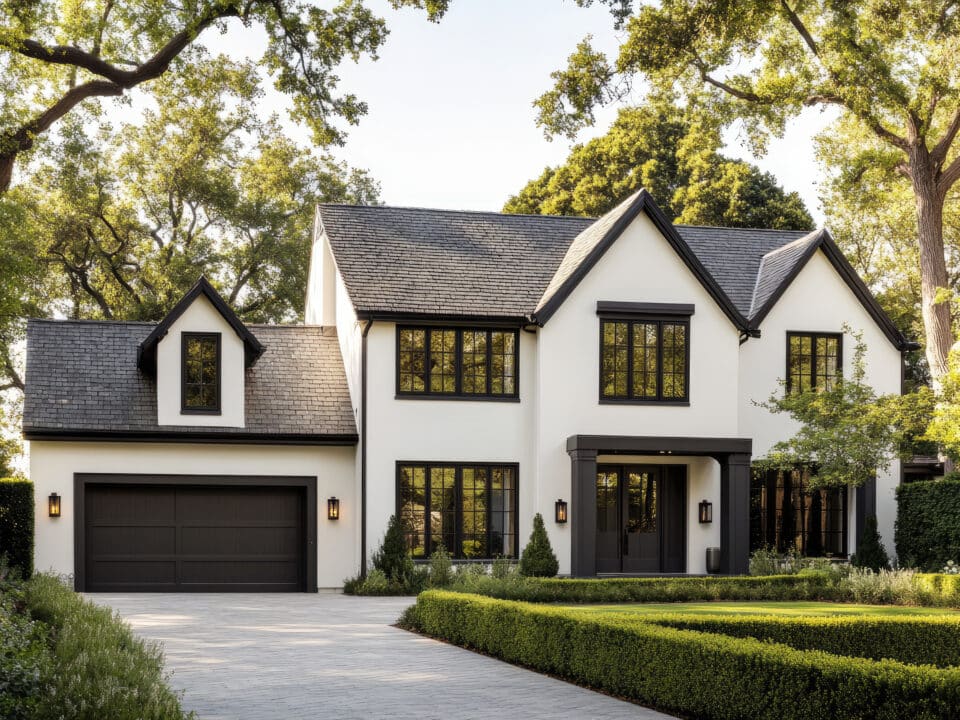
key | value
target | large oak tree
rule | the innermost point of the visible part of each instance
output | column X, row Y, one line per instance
column 890, row 66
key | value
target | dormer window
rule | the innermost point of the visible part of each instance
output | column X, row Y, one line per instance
column 201, row 373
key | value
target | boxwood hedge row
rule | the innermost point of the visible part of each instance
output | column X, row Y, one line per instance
column 913, row 640
column 928, row 523
column 16, row 523
column 701, row 674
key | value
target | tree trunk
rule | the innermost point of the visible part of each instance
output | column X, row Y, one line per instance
column 933, row 266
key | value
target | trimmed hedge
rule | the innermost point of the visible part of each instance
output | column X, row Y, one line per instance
column 914, row 640
column 928, row 524
column 812, row 586
column 16, row 523
column 701, row 674
column 938, row 590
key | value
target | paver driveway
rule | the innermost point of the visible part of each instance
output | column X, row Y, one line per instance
column 244, row 656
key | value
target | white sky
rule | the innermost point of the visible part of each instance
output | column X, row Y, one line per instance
column 451, row 122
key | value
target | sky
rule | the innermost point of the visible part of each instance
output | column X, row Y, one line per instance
column 451, row 122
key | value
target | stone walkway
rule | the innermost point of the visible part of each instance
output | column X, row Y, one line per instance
column 242, row 656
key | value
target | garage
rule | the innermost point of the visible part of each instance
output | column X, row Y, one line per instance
column 195, row 533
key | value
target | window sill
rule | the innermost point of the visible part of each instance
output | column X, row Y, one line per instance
column 631, row 401
column 198, row 411
column 464, row 398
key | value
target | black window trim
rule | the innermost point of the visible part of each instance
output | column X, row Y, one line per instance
column 458, row 393
column 458, row 474
column 184, row 408
column 813, row 335
column 674, row 319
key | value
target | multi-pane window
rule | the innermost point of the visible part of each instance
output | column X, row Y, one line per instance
column 200, row 373
column 464, row 362
column 814, row 360
column 470, row 510
column 786, row 514
column 644, row 359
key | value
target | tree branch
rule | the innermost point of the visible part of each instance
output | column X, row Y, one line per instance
column 10, row 370
column 801, row 28
column 940, row 150
column 948, row 177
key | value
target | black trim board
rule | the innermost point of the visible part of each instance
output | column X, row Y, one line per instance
column 81, row 480
column 606, row 307
column 214, row 409
column 644, row 202
column 630, row 444
column 835, row 255
column 147, row 355
column 187, row 436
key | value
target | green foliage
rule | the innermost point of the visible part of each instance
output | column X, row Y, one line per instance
column 441, row 568
column 870, row 552
column 693, row 673
column 896, row 587
column 927, row 531
column 503, row 568
column 945, row 426
column 23, row 652
column 392, row 557
column 97, row 667
column 767, row 561
column 846, row 430
column 655, row 146
column 16, row 523
column 537, row 558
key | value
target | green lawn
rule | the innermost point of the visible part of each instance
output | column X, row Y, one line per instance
column 806, row 609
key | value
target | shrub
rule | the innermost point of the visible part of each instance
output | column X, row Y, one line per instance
column 537, row 559
column 16, row 523
column 863, row 585
column 697, row 674
column 928, row 523
column 502, row 568
column 97, row 667
column 871, row 553
column 353, row 585
column 23, row 652
column 441, row 568
column 392, row 557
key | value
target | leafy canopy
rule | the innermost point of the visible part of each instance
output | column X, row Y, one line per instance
column 658, row 147
column 848, row 431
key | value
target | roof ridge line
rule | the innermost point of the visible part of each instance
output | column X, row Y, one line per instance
column 420, row 208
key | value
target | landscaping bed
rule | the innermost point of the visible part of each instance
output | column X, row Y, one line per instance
column 713, row 666
column 63, row 657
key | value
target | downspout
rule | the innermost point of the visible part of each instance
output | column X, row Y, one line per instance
column 363, row 448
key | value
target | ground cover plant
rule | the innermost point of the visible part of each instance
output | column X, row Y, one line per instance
column 63, row 657
column 714, row 671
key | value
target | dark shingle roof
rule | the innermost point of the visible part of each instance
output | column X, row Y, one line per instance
column 437, row 262
column 82, row 378
column 777, row 266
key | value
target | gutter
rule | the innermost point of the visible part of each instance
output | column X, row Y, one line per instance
column 363, row 448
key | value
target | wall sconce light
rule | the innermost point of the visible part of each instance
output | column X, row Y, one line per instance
column 706, row 511
column 560, row 511
column 333, row 509
column 53, row 505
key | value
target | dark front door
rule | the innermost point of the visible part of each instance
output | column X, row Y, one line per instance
column 637, row 514
column 163, row 538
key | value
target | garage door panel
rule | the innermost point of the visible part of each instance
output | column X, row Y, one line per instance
column 199, row 538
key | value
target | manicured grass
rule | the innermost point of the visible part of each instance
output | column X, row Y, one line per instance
column 804, row 609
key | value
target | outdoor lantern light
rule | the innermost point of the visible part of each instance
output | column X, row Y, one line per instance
column 706, row 511
column 560, row 511
column 333, row 509
column 53, row 505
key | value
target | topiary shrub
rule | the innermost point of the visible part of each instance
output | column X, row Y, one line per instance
column 537, row 559
column 928, row 524
column 16, row 523
column 870, row 553
column 392, row 557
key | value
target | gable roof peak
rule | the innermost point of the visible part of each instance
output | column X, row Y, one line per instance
column 147, row 354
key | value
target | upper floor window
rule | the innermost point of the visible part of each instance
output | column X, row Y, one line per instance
column 200, row 373
column 814, row 360
column 457, row 362
column 645, row 359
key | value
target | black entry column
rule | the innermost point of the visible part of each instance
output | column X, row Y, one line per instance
column 583, row 553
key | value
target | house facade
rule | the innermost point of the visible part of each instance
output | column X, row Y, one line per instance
column 465, row 371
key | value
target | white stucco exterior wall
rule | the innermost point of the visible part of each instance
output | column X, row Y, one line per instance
column 321, row 305
column 817, row 301
column 53, row 464
column 201, row 316
column 640, row 266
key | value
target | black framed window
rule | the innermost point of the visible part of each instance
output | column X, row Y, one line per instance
column 457, row 362
column 785, row 514
column 814, row 360
column 645, row 360
column 469, row 509
column 200, row 373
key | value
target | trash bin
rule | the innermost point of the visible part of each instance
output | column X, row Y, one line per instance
column 713, row 560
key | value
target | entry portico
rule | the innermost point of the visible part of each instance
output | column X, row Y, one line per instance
column 732, row 455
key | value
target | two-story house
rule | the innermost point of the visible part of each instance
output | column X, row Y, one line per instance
column 464, row 370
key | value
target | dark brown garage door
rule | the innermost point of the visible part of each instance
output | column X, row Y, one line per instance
column 156, row 538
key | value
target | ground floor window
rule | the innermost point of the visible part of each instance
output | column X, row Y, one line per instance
column 469, row 509
column 785, row 513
